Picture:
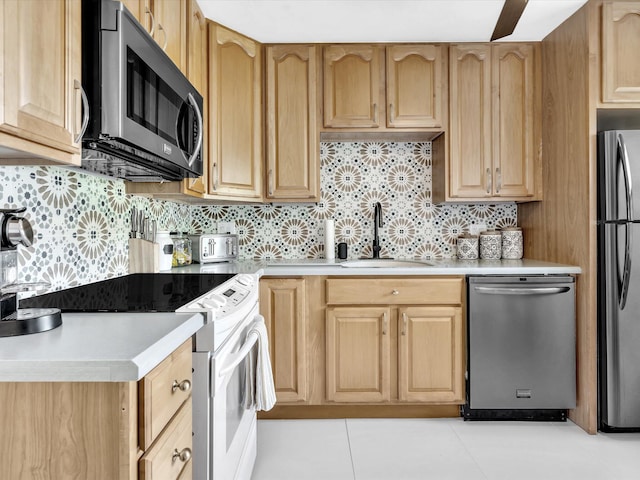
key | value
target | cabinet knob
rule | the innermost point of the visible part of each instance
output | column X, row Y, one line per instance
column 184, row 386
column 395, row 292
column 184, row 455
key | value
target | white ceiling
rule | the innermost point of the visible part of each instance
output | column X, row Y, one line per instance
column 342, row 21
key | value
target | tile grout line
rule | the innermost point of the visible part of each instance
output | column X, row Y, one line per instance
column 464, row 446
column 353, row 466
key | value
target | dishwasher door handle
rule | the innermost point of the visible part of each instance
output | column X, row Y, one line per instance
column 521, row 291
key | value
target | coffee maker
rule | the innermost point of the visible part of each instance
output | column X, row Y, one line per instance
column 16, row 231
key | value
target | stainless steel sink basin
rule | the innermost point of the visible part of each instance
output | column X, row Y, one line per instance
column 385, row 263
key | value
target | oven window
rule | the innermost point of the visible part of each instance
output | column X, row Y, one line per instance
column 152, row 103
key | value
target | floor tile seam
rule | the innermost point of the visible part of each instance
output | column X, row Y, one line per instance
column 353, row 465
column 471, row 456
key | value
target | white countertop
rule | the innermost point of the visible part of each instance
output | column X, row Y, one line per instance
column 436, row 267
column 299, row 267
column 96, row 347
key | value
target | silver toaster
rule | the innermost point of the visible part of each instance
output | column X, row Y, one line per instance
column 214, row 247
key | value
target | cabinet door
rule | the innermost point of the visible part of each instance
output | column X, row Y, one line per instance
column 40, row 94
column 352, row 80
column 293, row 169
column 197, row 74
column 357, row 354
column 620, row 46
column 282, row 304
column 514, row 129
column 430, row 355
column 171, row 29
column 470, row 167
column 235, row 120
column 140, row 9
column 414, row 86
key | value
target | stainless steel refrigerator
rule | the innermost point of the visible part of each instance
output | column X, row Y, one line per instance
column 619, row 279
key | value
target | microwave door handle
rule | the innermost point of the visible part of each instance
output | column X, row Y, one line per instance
column 196, row 152
column 85, row 111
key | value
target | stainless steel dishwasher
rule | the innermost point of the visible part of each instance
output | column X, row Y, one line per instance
column 521, row 347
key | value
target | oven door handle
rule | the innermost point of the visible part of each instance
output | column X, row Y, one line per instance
column 235, row 359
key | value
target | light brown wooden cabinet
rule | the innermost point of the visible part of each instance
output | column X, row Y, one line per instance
column 494, row 123
column 235, row 120
column 395, row 340
column 292, row 138
column 414, row 86
column 359, row 92
column 99, row 430
column 620, row 46
column 166, row 21
column 40, row 92
column 283, row 306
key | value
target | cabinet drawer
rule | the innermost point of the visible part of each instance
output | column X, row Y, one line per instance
column 397, row 291
column 162, row 461
column 162, row 392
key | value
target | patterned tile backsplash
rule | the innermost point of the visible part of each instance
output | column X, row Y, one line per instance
column 81, row 221
column 353, row 176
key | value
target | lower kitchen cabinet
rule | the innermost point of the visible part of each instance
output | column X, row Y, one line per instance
column 430, row 354
column 358, row 351
column 54, row 430
column 283, row 306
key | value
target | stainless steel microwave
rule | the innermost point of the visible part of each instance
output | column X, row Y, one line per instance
column 145, row 118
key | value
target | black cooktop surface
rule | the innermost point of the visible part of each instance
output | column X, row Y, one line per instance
column 138, row 292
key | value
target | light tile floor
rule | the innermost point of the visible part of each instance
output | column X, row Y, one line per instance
column 440, row 449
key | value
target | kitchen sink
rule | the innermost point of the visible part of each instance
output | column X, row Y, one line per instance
column 385, row 263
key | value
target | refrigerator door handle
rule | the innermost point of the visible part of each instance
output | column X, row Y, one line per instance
column 626, row 169
column 623, row 158
column 626, row 274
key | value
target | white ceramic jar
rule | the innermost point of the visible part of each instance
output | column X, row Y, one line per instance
column 512, row 248
column 490, row 245
column 467, row 247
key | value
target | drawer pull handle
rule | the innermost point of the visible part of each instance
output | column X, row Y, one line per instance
column 184, row 456
column 404, row 323
column 395, row 292
column 384, row 323
column 184, row 386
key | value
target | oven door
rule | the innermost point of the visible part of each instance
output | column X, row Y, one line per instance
column 146, row 101
column 234, row 423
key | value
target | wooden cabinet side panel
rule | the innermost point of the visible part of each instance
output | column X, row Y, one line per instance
column 514, row 149
column 292, row 143
column 414, row 86
column 620, row 46
column 431, row 355
column 68, row 430
column 470, row 121
column 283, row 305
column 42, row 37
column 358, row 354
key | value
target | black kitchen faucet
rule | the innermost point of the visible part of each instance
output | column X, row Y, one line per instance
column 377, row 222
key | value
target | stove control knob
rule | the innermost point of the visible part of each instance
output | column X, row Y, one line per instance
column 245, row 280
column 17, row 231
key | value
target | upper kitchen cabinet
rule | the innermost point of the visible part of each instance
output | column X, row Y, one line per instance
column 166, row 21
column 414, row 86
column 235, row 120
column 352, row 80
column 197, row 74
column 41, row 93
column 620, row 46
column 495, row 124
column 410, row 93
column 293, row 167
